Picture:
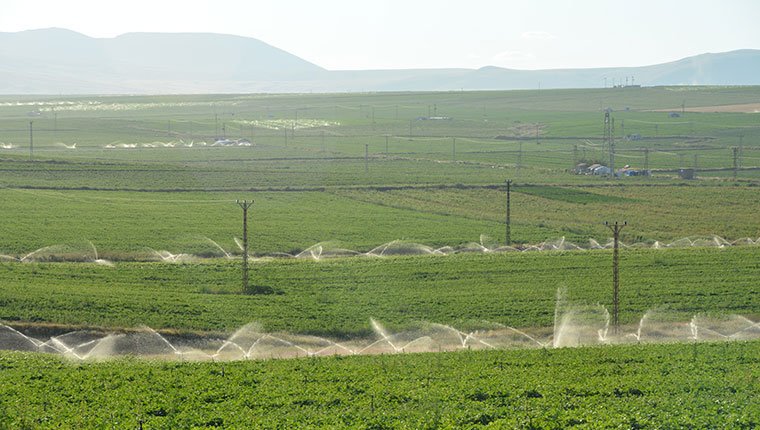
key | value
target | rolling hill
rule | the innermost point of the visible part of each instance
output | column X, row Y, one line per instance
column 58, row 61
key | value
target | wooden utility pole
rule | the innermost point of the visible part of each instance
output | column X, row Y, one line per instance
column 615, row 228
column 245, row 204
column 507, row 225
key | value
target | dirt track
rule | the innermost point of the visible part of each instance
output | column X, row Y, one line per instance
column 740, row 108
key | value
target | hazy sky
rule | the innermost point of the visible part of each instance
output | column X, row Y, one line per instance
column 393, row 34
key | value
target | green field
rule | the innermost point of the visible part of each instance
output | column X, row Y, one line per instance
column 661, row 386
column 123, row 180
column 439, row 184
column 127, row 225
column 336, row 298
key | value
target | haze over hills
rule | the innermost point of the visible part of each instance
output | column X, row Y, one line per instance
column 58, row 61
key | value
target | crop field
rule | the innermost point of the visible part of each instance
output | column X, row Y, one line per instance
column 660, row 386
column 337, row 297
column 435, row 165
column 118, row 213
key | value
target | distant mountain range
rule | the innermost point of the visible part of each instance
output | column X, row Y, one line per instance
column 57, row 61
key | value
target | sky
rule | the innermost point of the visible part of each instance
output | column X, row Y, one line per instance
column 403, row 34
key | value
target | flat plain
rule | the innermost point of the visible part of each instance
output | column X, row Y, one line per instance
column 101, row 193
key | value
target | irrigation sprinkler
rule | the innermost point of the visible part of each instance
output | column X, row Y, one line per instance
column 615, row 228
column 245, row 204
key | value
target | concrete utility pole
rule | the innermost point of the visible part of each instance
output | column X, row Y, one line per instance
column 612, row 149
column 575, row 155
column 646, row 160
column 615, row 228
column 366, row 157
column 519, row 157
column 453, row 149
column 31, row 141
column 507, row 225
column 245, row 204
column 386, row 144
column 735, row 151
column 609, row 130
